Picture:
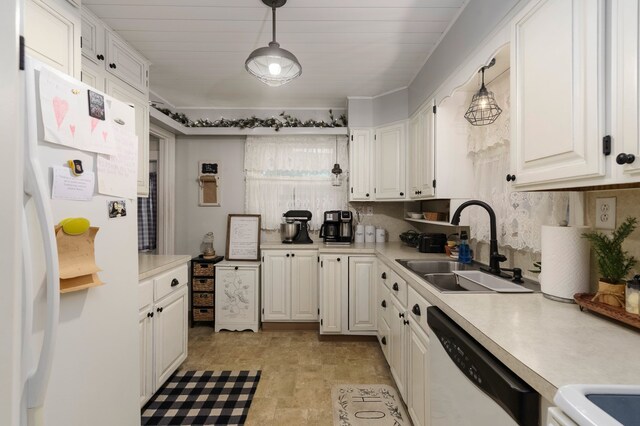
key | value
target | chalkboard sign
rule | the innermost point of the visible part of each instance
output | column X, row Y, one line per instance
column 209, row 168
column 243, row 237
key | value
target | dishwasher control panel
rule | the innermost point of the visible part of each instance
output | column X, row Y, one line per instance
column 457, row 355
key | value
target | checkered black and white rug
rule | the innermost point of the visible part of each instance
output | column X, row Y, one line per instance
column 203, row 398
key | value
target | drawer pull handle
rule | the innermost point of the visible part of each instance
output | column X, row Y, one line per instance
column 159, row 309
column 383, row 276
column 396, row 287
column 149, row 314
column 416, row 310
column 405, row 322
column 401, row 315
column 174, row 282
column 384, row 304
column 384, row 340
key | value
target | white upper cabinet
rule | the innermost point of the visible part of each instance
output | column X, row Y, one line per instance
column 52, row 34
column 390, row 160
column 420, row 160
column 93, row 44
column 558, row 93
column 125, row 63
column 361, row 165
column 625, row 89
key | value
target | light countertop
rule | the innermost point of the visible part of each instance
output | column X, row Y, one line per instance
column 152, row 264
column 548, row 344
column 356, row 248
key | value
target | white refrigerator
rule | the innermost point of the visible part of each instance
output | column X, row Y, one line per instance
column 80, row 350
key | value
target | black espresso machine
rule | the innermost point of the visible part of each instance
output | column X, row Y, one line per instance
column 337, row 227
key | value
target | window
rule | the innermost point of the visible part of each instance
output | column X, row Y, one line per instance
column 293, row 173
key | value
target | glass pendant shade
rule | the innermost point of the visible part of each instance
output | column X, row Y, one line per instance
column 484, row 109
column 273, row 65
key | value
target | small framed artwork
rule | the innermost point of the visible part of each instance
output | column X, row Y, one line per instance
column 117, row 208
column 209, row 182
column 243, row 237
column 96, row 105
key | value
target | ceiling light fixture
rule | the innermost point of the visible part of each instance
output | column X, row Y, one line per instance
column 483, row 109
column 273, row 65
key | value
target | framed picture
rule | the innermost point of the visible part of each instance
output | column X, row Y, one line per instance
column 96, row 105
column 243, row 237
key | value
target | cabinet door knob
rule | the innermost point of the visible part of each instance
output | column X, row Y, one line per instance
column 338, row 259
column 416, row 310
column 401, row 315
column 511, row 178
column 405, row 322
column 113, row 66
column 366, row 195
column 174, row 282
column 383, row 276
column 236, row 268
column 396, row 287
column 288, row 255
column 100, row 57
column 293, row 255
column 402, row 194
column 384, row 340
column 384, row 304
column 623, row 158
column 149, row 314
column 159, row 309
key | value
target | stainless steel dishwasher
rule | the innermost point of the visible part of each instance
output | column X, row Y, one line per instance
column 469, row 386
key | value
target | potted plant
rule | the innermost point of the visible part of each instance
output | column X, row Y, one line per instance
column 613, row 262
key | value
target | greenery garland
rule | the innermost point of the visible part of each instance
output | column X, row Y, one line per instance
column 254, row 122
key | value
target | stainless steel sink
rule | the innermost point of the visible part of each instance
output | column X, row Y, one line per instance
column 448, row 283
column 434, row 266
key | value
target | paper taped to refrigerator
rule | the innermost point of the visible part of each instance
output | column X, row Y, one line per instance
column 118, row 173
column 64, row 106
column 67, row 186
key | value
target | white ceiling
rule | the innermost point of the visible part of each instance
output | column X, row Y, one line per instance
column 346, row 47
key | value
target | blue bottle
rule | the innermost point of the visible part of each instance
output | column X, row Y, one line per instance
column 464, row 252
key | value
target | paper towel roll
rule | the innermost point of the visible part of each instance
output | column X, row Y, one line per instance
column 565, row 262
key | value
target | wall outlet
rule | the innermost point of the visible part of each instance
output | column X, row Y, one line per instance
column 606, row 213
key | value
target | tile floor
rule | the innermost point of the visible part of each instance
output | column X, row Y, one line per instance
column 298, row 370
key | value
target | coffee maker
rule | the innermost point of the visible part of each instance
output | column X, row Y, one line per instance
column 302, row 216
column 337, row 227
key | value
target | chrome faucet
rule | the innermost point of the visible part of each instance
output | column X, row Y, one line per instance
column 494, row 257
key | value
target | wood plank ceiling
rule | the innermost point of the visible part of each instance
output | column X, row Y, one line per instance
column 346, row 47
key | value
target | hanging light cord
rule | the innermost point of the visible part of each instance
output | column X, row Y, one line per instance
column 273, row 27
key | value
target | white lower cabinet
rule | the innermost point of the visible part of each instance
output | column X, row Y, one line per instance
column 418, row 375
column 162, row 328
column 237, row 296
column 362, row 293
column 398, row 348
column 290, row 285
column 334, row 276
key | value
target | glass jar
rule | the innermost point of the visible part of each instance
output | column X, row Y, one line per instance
column 207, row 246
column 632, row 295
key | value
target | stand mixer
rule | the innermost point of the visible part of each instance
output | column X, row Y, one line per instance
column 302, row 216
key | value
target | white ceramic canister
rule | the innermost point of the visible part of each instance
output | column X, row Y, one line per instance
column 381, row 235
column 369, row 234
column 359, row 233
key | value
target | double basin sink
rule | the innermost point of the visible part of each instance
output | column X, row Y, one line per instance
column 454, row 277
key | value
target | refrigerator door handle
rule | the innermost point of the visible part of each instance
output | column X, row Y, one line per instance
column 36, row 187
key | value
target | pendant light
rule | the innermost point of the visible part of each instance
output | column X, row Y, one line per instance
column 337, row 170
column 484, row 108
column 273, row 65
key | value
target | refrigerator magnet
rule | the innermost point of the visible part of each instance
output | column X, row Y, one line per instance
column 96, row 105
column 76, row 167
column 117, row 208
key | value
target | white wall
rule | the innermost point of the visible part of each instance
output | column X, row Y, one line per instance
column 360, row 112
column 193, row 221
column 391, row 107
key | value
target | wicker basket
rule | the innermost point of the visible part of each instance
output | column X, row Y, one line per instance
column 203, row 314
column 202, row 299
column 203, row 284
column 203, row 269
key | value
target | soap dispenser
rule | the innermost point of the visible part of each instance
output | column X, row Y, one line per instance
column 464, row 252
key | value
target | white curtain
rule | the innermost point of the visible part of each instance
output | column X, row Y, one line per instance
column 294, row 173
column 520, row 215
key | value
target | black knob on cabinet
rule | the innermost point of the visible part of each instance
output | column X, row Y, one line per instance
column 366, row 195
column 402, row 194
column 416, row 310
column 174, row 282
column 623, row 158
column 113, row 66
column 384, row 304
column 511, row 178
column 383, row 276
column 395, row 287
column 405, row 322
column 383, row 340
column 100, row 57
column 338, row 259
column 149, row 314
column 159, row 309
column 401, row 315
column 236, row 268
column 293, row 255
column 287, row 254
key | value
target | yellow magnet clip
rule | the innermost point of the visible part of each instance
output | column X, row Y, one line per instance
column 76, row 167
column 75, row 225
